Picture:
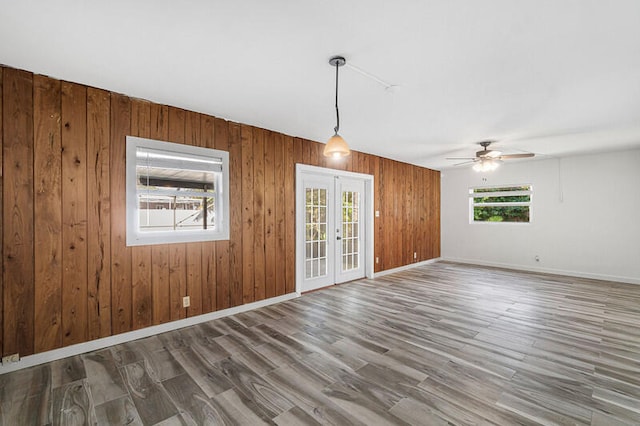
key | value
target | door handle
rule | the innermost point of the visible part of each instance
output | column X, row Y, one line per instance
column 338, row 238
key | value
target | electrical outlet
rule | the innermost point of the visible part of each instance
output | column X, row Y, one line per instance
column 377, row 259
column 186, row 302
column 9, row 359
column 415, row 254
column 377, row 213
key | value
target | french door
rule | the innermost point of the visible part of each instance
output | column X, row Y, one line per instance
column 331, row 228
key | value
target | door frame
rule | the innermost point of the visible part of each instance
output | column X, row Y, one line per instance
column 367, row 209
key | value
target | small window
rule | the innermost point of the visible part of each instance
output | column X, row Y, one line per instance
column 176, row 193
column 501, row 204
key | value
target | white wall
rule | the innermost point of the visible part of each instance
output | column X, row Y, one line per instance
column 585, row 217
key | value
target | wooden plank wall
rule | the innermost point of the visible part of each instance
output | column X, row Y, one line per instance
column 68, row 276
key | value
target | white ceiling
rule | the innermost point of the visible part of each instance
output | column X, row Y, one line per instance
column 554, row 77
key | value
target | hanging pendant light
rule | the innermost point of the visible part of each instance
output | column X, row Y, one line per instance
column 336, row 147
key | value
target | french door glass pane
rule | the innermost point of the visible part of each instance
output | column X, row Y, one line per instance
column 316, row 232
column 350, row 223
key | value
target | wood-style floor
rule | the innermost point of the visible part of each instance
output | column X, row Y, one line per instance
column 439, row 344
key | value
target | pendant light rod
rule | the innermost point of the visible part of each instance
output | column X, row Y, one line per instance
column 337, row 110
column 337, row 61
column 336, row 147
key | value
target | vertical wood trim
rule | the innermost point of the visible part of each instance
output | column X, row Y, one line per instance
column 320, row 158
column 317, row 157
column 427, row 231
column 258, row 213
column 382, row 206
column 364, row 163
column 47, row 228
column 177, row 252
column 399, row 250
column 269, row 215
column 352, row 161
column 417, row 213
column 209, row 260
column 18, row 213
column 388, row 236
column 194, row 278
column 297, row 151
column 193, row 129
column 426, row 234
column 290, row 214
column 120, row 253
column 209, row 272
column 306, row 151
column 356, row 161
column 222, row 264
column 377, row 205
column 280, row 214
column 74, row 213
column 393, row 234
column 246, row 135
column 194, row 250
column 1, row 211
column 435, row 196
column 160, row 294
column 98, row 214
column 431, row 215
column 408, row 214
column 177, row 279
column 390, row 195
column 141, row 264
column 230, row 288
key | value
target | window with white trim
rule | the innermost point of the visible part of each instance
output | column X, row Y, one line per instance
column 175, row 193
column 500, row 204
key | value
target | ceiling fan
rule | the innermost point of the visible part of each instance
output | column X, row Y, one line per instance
column 487, row 159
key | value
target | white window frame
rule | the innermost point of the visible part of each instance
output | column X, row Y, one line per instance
column 473, row 204
column 135, row 237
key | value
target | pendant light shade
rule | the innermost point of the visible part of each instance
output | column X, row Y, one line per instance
column 336, row 147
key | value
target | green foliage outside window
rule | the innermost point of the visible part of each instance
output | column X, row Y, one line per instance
column 501, row 213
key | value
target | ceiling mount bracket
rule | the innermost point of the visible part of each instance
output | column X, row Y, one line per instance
column 337, row 61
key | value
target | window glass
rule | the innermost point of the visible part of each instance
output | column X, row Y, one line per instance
column 501, row 204
column 175, row 193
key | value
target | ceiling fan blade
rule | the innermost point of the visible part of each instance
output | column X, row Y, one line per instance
column 464, row 162
column 509, row 156
column 460, row 158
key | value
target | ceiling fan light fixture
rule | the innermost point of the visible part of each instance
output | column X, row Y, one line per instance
column 486, row 165
column 336, row 147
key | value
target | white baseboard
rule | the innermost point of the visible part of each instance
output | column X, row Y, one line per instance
column 93, row 345
column 603, row 277
column 404, row 268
